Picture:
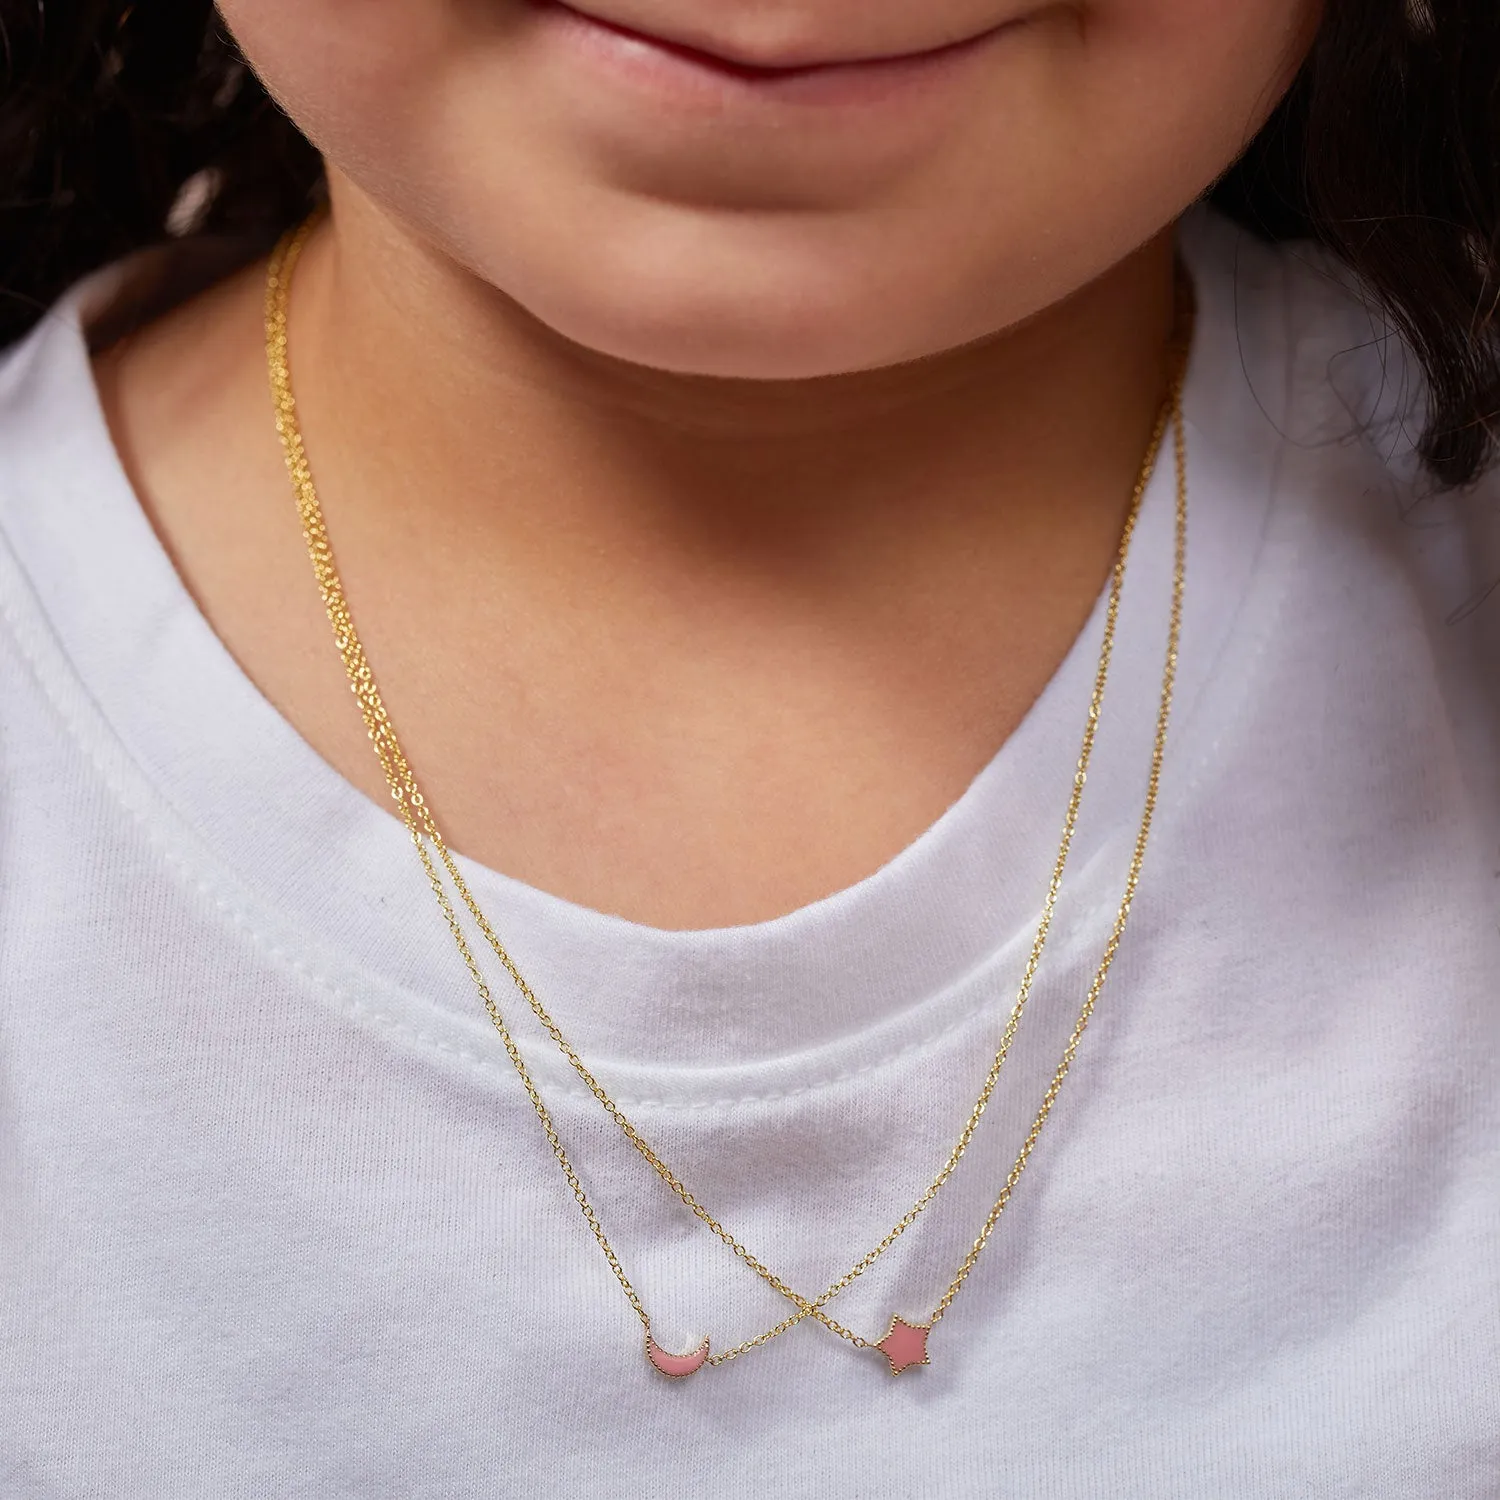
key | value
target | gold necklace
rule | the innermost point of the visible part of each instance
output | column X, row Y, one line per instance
column 904, row 1343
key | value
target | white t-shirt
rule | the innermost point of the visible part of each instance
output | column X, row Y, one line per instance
column 277, row 1219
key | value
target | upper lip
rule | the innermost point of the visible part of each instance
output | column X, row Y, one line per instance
column 785, row 59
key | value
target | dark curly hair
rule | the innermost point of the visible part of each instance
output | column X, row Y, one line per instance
column 1387, row 149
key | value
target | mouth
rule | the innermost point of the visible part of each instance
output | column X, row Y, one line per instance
column 791, row 68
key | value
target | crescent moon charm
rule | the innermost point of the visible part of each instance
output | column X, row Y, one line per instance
column 677, row 1366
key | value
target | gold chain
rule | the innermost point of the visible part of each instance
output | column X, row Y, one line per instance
column 428, row 840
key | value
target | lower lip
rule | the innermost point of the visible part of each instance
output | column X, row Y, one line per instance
column 695, row 76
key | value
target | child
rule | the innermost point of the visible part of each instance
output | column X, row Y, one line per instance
column 919, row 791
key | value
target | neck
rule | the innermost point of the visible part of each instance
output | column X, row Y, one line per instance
column 428, row 389
column 634, row 627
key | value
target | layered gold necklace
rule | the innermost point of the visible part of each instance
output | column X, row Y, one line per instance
column 904, row 1343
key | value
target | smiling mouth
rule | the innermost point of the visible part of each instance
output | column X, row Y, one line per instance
column 757, row 72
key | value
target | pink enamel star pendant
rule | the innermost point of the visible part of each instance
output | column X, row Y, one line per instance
column 905, row 1344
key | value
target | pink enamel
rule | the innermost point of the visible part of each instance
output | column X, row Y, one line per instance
column 676, row 1365
column 904, row 1345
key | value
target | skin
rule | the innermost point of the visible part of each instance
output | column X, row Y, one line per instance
column 717, row 477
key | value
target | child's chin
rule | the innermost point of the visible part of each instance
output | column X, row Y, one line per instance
column 745, row 314
column 741, row 345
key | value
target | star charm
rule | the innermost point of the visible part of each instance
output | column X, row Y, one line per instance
column 905, row 1344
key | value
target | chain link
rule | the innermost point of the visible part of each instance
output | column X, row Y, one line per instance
column 428, row 841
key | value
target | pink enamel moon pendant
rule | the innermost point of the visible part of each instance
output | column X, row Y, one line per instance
column 677, row 1366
